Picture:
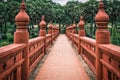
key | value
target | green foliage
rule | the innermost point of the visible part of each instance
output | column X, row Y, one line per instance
column 4, row 43
column 115, row 38
column 63, row 15
column 10, row 38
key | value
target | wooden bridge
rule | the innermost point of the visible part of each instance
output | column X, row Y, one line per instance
column 19, row 59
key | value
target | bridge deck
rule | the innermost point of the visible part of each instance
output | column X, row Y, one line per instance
column 62, row 63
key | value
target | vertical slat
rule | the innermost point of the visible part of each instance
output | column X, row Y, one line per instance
column 18, row 75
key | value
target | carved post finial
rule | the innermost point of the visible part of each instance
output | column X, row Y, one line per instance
column 50, row 26
column 101, row 18
column 81, row 23
column 42, row 17
column 42, row 24
column 50, row 22
column 22, row 1
column 74, row 28
column 22, row 19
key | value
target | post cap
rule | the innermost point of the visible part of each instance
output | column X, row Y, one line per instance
column 22, row 19
column 42, row 23
column 101, row 17
column 81, row 22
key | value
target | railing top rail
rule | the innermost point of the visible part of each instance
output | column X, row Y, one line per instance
column 76, row 35
column 7, row 50
column 111, row 49
column 89, row 40
column 48, row 35
column 35, row 39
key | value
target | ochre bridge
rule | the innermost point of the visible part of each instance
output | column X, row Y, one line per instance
column 19, row 60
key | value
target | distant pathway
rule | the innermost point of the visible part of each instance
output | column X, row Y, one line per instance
column 62, row 63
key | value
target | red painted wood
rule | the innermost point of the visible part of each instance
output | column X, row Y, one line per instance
column 22, row 36
column 62, row 63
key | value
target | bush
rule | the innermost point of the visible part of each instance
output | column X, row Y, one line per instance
column 10, row 38
column 4, row 43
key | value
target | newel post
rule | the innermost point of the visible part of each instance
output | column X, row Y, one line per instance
column 71, row 29
column 22, row 36
column 50, row 26
column 81, row 32
column 102, row 37
column 74, row 28
column 42, row 32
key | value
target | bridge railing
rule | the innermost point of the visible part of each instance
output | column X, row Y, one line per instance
column 48, row 41
column 102, row 57
column 87, row 51
column 18, row 60
column 75, row 40
column 110, row 60
column 11, row 57
column 36, row 51
column 86, row 48
column 11, row 60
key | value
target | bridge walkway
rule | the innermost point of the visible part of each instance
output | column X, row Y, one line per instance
column 62, row 63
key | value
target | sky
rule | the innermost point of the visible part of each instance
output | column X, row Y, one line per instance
column 63, row 2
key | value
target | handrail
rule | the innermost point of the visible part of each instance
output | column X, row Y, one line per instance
column 89, row 40
column 110, row 59
column 113, row 50
column 11, row 56
column 11, row 60
column 87, row 51
column 48, row 41
column 12, row 48
column 36, row 51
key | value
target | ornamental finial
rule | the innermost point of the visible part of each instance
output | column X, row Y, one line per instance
column 22, row 19
column 101, row 17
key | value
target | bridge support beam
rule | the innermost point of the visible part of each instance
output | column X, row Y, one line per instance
column 102, row 37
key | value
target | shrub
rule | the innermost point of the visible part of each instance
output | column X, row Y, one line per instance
column 10, row 38
column 4, row 43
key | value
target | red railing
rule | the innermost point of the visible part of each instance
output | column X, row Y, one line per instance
column 110, row 59
column 19, row 59
column 55, row 35
column 87, row 51
column 11, row 60
column 36, row 51
column 48, row 41
column 11, row 56
column 75, row 40
column 102, row 57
